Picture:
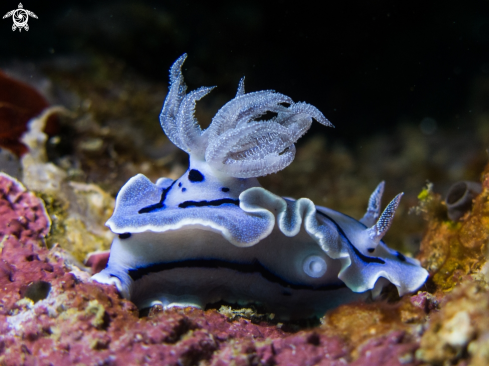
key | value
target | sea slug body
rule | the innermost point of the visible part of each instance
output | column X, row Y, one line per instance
column 215, row 234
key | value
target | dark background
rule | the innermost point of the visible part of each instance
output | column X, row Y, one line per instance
column 366, row 64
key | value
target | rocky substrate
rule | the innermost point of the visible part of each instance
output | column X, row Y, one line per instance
column 51, row 314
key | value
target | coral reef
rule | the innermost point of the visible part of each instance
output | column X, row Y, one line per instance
column 51, row 316
column 460, row 331
column 451, row 250
column 456, row 256
column 50, row 313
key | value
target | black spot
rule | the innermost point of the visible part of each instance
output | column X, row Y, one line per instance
column 180, row 184
column 401, row 257
column 286, row 293
column 314, row 339
column 195, row 176
column 208, row 203
column 37, row 290
column 370, row 250
column 184, row 189
column 224, row 189
column 125, row 235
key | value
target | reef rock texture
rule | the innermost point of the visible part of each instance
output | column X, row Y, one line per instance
column 51, row 316
column 451, row 250
column 459, row 333
column 456, row 256
column 78, row 210
column 22, row 214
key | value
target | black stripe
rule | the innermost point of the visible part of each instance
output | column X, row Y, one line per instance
column 159, row 204
column 357, row 252
column 208, row 203
column 254, row 267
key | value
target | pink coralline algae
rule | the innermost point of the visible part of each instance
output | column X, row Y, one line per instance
column 22, row 214
column 97, row 261
column 51, row 316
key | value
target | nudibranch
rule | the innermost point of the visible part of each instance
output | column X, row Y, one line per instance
column 215, row 234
